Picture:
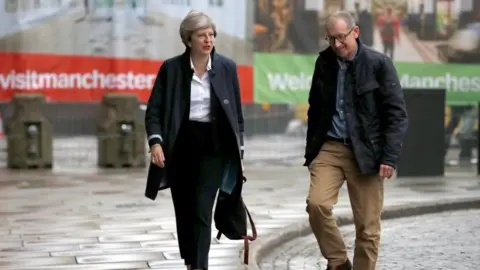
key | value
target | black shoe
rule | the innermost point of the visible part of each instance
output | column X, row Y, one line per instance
column 346, row 266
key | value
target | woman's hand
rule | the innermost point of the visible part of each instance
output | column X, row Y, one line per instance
column 157, row 155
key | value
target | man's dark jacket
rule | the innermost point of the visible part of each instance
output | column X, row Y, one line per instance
column 169, row 102
column 374, row 108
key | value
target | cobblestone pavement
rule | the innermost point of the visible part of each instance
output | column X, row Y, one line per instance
column 448, row 240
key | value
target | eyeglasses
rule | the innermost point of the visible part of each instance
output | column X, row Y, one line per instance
column 340, row 38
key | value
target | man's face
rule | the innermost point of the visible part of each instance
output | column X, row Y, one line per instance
column 342, row 39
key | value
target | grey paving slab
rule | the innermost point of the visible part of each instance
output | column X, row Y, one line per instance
column 20, row 255
column 136, row 238
column 58, row 241
column 110, row 258
column 103, row 266
column 35, row 261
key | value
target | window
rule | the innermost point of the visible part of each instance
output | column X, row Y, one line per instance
column 215, row 3
column 11, row 6
column 177, row 2
column 56, row 3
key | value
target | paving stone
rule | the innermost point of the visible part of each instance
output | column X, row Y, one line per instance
column 212, row 262
column 33, row 229
column 103, row 266
column 137, row 238
column 11, row 244
column 21, row 255
column 30, row 262
column 172, row 243
column 59, row 241
column 47, row 248
column 105, row 251
column 110, row 258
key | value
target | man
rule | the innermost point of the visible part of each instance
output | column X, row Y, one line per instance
column 356, row 123
column 389, row 27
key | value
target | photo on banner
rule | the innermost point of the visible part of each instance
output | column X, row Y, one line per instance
column 77, row 50
column 433, row 43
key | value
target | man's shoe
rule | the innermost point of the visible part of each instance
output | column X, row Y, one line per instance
column 346, row 266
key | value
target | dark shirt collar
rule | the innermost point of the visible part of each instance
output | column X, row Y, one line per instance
column 351, row 58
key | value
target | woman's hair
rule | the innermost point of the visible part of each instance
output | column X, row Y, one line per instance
column 194, row 21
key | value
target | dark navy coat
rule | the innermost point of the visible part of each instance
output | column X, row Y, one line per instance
column 168, row 103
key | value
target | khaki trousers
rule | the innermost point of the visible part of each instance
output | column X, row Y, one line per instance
column 334, row 164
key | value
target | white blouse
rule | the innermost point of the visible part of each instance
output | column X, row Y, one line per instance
column 200, row 95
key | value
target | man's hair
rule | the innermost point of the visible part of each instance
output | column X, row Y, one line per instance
column 344, row 15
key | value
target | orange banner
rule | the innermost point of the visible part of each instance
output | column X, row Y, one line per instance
column 66, row 78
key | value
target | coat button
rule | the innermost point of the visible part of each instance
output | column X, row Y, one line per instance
column 225, row 101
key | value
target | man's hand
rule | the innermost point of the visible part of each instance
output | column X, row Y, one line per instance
column 157, row 155
column 385, row 171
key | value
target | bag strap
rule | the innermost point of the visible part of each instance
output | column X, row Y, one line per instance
column 246, row 239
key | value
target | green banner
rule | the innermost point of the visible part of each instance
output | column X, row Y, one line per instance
column 286, row 78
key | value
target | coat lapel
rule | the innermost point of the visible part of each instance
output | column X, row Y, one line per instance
column 217, row 79
column 330, row 71
column 187, row 73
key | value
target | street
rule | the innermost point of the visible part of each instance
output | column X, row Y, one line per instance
column 99, row 219
column 438, row 241
column 78, row 216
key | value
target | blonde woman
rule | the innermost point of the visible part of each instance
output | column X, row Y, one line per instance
column 194, row 125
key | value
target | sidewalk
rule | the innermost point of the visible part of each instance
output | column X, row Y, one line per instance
column 101, row 220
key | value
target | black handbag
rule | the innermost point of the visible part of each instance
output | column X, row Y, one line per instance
column 231, row 218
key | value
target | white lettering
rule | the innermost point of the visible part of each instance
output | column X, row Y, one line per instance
column 450, row 82
column 289, row 82
column 33, row 80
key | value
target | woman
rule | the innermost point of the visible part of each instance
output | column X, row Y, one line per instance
column 194, row 125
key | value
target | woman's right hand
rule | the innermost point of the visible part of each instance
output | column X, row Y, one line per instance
column 157, row 155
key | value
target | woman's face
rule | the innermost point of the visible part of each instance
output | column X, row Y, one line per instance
column 202, row 41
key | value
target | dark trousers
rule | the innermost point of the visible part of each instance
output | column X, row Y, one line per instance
column 389, row 48
column 466, row 147
column 198, row 173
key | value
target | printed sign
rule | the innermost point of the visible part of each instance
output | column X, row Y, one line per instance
column 439, row 50
column 281, row 78
column 74, row 50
